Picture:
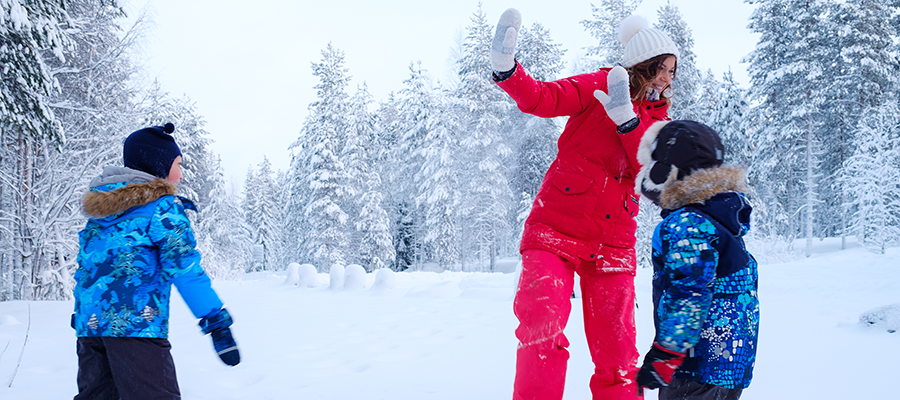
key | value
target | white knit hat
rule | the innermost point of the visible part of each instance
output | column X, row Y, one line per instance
column 643, row 42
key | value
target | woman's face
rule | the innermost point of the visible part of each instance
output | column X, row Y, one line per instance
column 665, row 75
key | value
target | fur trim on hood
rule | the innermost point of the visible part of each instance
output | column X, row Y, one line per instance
column 105, row 204
column 703, row 184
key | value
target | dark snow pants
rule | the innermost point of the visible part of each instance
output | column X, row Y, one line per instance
column 690, row 390
column 116, row 368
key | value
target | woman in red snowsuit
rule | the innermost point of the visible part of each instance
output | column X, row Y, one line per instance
column 582, row 219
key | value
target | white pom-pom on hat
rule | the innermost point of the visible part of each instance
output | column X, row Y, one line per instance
column 631, row 26
column 643, row 42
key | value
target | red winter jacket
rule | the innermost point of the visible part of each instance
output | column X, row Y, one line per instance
column 586, row 205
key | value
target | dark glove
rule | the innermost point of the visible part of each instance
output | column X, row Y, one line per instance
column 217, row 324
column 659, row 367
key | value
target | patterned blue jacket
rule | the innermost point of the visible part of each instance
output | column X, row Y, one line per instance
column 136, row 244
column 704, row 280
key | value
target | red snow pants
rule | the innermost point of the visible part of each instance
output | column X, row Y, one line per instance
column 542, row 305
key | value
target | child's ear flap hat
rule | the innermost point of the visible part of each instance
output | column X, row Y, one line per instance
column 671, row 150
column 152, row 150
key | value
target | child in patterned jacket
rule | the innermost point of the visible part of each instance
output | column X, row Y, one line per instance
column 136, row 244
column 706, row 310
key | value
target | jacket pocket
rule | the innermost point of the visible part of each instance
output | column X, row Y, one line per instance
column 566, row 203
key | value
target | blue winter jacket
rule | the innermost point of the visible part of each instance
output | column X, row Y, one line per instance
column 136, row 244
column 705, row 280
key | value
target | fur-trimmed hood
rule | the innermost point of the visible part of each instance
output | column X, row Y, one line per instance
column 118, row 189
column 703, row 184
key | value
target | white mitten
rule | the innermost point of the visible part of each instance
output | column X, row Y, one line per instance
column 618, row 102
column 503, row 48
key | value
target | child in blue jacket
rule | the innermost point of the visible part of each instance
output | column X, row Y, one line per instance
column 136, row 244
column 705, row 305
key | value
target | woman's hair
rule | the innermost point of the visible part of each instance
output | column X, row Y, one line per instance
column 642, row 73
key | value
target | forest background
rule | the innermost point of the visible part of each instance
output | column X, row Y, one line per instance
column 439, row 175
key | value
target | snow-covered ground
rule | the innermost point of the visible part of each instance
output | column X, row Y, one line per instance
column 450, row 336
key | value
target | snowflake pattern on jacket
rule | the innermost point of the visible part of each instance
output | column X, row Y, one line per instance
column 132, row 250
column 705, row 290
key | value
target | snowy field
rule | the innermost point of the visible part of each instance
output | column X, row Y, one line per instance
column 450, row 336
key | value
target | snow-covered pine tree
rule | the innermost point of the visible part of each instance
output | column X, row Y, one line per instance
column 223, row 236
column 437, row 185
column 250, row 206
column 873, row 172
column 296, row 224
column 410, row 131
column 708, row 97
column 31, row 30
column 487, row 199
column 371, row 234
column 390, row 164
column 326, row 175
column 376, row 249
column 605, row 28
column 266, row 217
column 789, row 84
column 51, row 140
column 728, row 118
column 862, row 77
column 688, row 80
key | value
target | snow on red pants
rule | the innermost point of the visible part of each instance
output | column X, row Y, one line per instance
column 542, row 305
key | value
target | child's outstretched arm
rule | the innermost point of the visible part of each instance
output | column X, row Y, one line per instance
column 171, row 230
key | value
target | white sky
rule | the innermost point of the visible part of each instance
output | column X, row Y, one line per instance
column 247, row 67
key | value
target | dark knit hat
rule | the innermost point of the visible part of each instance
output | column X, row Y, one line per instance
column 152, row 150
column 671, row 150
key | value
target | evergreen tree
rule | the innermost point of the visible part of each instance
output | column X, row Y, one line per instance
column 63, row 98
column 437, row 180
column 372, row 232
column 223, row 236
column 872, row 175
column 688, row 80
column 788, row 75
column 355, row 155
column 266, row 217
column 708, row 99
column 326, row 176
column 410, row 130
column 862, row 77
column 728, row 118
column 487, row 197
column 605, row 28
column 31, row 30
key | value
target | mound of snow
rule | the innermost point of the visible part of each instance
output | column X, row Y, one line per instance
column 293, row 277
column 385, row 279
column 309, row 277
column 443, row 290
column 886, row 318
column 354, row 278
column 8, row 320
column 337, row 277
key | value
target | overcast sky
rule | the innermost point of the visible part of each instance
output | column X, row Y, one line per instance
column 246, row 65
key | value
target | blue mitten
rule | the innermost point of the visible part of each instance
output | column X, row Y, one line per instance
column 217, row 324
